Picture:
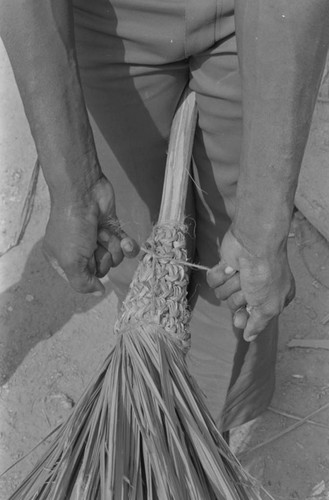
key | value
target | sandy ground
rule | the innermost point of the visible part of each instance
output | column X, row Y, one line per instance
column 52, row 340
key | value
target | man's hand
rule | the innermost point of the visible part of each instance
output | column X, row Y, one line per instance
column 84, row 239
column 263, row 284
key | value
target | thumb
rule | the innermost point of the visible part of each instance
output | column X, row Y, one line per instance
column 129, row 247
column 111, row 232
column 255, row 325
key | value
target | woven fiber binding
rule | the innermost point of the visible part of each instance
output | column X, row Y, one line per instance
column 158, row 291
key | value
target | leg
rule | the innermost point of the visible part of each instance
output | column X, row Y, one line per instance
column 216, row 348
column 132, row 89
column 131, row 95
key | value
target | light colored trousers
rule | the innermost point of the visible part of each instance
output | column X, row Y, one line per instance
column 135, row 58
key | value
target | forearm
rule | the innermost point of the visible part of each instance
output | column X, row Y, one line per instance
column 282, row 46
column 38, row 36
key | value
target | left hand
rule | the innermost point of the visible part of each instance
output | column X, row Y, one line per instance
column 256, row 287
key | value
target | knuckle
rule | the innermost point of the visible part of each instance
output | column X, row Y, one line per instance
column 239, row 299
column 220, row 293
column 235, row 301
column 230, row 288
column 271, row 308
column 232, row 306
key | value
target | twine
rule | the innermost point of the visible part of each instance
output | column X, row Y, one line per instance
column 158, row 292
column 176, row 261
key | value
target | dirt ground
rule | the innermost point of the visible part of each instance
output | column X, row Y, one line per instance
column 52, row 341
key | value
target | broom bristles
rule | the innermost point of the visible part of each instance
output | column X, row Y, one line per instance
column 142, row 431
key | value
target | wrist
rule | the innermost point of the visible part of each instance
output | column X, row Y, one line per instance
column 71, row 179
column 261, row 236
column 263, row 211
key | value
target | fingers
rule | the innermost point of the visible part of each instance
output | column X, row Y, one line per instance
column 219, row 274
column 256, row 293
column 129, row 247
column 112, row 245
column 256, row 323
column 240, row 318
column 226, row 283
column 103, row 261
column 111, row 250
column 82, row 271
column 227, row 286
column 236, row 301
column 248, row 319
column 259, row 316
column 254, row 319
column 116, row 241
column 86, row 282
column 112, row 228
column 230, row 287
column 81, row 275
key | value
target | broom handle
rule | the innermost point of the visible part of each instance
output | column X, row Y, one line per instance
column 178, row 160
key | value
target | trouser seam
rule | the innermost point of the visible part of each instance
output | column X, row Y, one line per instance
column 219, row 10
column 185, row 29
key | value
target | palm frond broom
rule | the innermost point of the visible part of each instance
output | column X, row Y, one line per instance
column 141, row 430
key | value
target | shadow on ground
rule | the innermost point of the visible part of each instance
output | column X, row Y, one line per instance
column 34, row 309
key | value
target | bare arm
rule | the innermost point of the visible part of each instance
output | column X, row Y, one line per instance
column 282, row 47
column 39, row 38
column 38, row 35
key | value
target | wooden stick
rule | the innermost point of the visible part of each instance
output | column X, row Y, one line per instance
column 26, row 210
column 178, row 161
column 284, row 431
column 295, row 417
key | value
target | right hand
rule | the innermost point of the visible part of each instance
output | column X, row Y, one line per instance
column 84, row 239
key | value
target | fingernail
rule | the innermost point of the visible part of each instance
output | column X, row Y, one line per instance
column 252, row 338
column 129, row 246
column 97, row 294
column 228, row 270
